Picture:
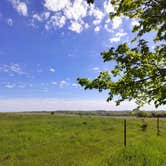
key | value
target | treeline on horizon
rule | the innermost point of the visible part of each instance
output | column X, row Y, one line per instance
column 115, row 113
column 127, row 113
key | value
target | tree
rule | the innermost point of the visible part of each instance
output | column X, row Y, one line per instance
column 140, row 72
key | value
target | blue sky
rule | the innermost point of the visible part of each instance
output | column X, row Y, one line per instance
column 45, row 45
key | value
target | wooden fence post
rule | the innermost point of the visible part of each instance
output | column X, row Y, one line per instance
column 125, row 132
column 158, row 127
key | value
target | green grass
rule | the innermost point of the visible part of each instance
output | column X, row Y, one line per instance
column 50, row 140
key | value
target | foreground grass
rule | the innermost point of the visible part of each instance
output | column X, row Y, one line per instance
column 50, row 140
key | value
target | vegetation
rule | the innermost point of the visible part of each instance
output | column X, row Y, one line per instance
column 140, row 72
column 51, row 140
column 150, row 114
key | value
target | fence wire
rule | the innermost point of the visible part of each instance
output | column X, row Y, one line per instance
column 102, row 141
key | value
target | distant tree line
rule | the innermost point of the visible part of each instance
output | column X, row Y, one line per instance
column 113, row 113
column 148, row 113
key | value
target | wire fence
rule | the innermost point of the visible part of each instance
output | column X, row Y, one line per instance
column 158, row 129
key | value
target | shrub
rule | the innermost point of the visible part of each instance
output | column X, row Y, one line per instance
column 144, row 125
column 141, row 114
column 160, row 114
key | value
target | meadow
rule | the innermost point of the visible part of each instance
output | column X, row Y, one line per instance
column 54, row 140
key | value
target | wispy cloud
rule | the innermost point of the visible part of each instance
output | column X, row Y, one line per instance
column 117, row 37
column 134, row 22
column 76, row 26
column 75, row 85
column 9, row 86
column 54, row 83
column 63, row 83
column 52, row 70
column 116, row 22
column 12, row 69
column 39, row 68
column 55, row 5
column 96, row 69
column 21, row 7
column 97, row 29
column 73, row 14
column 10, row 22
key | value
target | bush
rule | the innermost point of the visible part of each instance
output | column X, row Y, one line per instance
column 144, row 125
column 141, row 114
column 159, row 114
column 84, row 123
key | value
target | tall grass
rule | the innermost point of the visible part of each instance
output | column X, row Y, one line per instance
column 36, row 139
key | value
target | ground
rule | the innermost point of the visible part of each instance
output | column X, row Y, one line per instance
column 53, row 140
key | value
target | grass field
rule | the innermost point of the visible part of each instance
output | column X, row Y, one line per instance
column 51, row 140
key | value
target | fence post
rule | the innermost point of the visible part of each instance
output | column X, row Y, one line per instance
column 125, row 132
column 158, row 127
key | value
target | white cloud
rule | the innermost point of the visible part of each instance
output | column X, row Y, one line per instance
column 118, row 36
column 121, row 34
column 97, row 29
column 46, row 15
column 70, row 55
column 108, row 7
column 114, row 39
column 107, row 21
column 52, row 70
column 96, row 69
column 52, row 104
column 86, row 25
column 45, row 90
column 72, row 12
column 63, row 83
column 56, row 5
column 75, row 85
column 12, row 68
column 9, row 85
column 76, row 26
column 41, row 17
column 56, row 20
column 106, row 27
column 76, row 10
column 134, row 22
column 116, row 22
column 37, row 17
column 47, row 27
column 21, row 7
column 21, row 86
column 153, row 47
column 10, row 22
column 54, row 83
column 97, row 14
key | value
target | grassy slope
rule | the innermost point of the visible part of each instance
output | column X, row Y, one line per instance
column 40, row 140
